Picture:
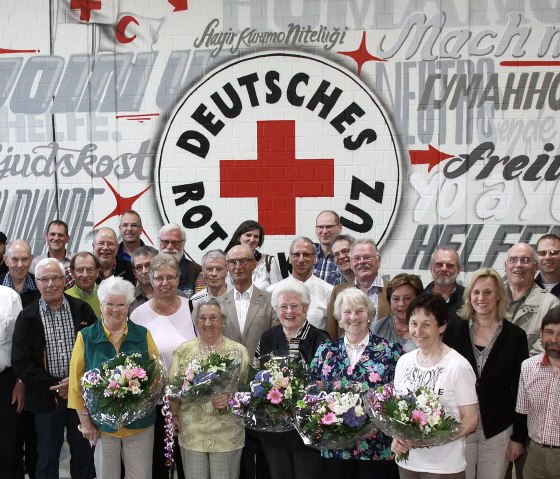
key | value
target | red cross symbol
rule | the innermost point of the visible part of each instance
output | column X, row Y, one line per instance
column 85, row 7
column 276, row 177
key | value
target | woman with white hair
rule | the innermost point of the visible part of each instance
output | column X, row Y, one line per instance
column 113, row 333
column 285, row 452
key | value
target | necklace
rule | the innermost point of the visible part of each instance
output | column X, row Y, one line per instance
column 167, row 309
column 432, row 360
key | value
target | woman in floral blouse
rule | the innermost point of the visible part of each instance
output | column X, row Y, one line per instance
column 364, row 358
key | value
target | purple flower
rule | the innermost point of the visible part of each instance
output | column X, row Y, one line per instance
column 351, row 419
column 258, row 390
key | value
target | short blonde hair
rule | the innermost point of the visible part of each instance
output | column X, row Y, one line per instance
column 467, row 311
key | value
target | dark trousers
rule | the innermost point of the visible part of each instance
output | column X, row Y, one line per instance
column 302, row 463
column 9, row 467
column 356, row 469
column 50, row 427
column 253, row 460
column 27, row 443
column 159, row 469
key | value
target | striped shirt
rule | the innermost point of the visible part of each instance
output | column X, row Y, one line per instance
column 59, row 337
column 538, row 397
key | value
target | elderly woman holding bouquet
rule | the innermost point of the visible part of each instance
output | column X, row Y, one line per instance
column 495, row 349
column 447, row 374
column 95, row 345
column 210, row 439
column 363, row 358
column 285, row 452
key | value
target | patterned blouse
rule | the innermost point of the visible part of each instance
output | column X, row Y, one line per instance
column 375, row 367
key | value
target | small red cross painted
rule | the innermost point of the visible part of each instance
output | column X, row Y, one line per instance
column 85, row 7
column 276, row 178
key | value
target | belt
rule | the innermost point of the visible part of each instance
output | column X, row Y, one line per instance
column 548, row 446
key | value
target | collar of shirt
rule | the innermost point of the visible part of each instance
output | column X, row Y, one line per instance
column 320, row 253
column 45, row 307
column 29, row 284
column 243, row 296
column 377, row 283
column 109, row 334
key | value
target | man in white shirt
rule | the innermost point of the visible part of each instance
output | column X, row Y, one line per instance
column 302, row 258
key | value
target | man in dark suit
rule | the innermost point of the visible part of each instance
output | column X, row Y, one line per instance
column 42, row 344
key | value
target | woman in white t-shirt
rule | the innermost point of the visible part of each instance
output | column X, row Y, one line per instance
column 444, row 371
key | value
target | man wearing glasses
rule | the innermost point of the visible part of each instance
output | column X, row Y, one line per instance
column 131, row 230
column 548, row 257
column 340, row 250
column 84, row 268
column 302, row 258
column 327, row 226
column 172, row 241
column 364, row 261
column 528, row 302
column 42, row 344
column 105, row 248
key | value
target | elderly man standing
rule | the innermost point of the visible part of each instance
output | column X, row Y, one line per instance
column 214, row 270
column 105, row 248
column 141, row 259
column 18, row 277
column 131, row 230
column 57, row 239
column 172, row 241
column 84, row 268
column 445, row 267
column 302, row 257
column 365, row 261
column 528, row 302
column 42, row 344
column 327, row 226
column 548, row 257
column 340, row 249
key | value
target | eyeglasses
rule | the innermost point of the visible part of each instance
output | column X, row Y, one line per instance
column 285, row 307
column 119, row 306
column 130, row 225
column 161, row 279
column 367, row 258
column 241, row 261
column 342, row 252
column 523, row 260
column 54, row 279
column 173, row 243
column 142, row 267
column 85, row 270
column 326, row 227
column 302, row 255
column 214, row 318
column 106, row 244
column 552, row 252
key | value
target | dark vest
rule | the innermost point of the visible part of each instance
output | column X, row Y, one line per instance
column 99, row 349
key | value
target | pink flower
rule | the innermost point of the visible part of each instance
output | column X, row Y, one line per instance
column 139, row 372
column 374, row 377
column 328, row 418
column 419, row 417
column 113, row 385
column 326, row 370
column 274, row 396
column 350, row 370
column 189, row 374
column 329, row 355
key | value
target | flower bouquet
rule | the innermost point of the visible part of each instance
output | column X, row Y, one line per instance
column 269, row 404
column 123, row 389
column 332, row 420
column 205, row 375
column 416, row 416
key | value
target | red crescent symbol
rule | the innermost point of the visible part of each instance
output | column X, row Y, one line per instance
column 121, row 28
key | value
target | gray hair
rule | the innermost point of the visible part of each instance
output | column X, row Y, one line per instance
column 117, row 286
column 207, row 301
column 534, row 256
column 173, row 227
column 161, row 260
column 365, row 241
column 143, row 251
column 304, row 239
column 213, row 254
column 355, row 297
column 17, row 242
column 349, row 239
column 291, row 286
column 449, row 249
column 47, row 262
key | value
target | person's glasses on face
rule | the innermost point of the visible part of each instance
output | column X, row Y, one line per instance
column 342, row 252
column 141, row 267
column 161, row 279
column 302, row 255
column 213, row 319
column 53, row 279
column 286, row 307
column 131, row 225
column 85, row 270
column 524, row 260
column 117, row 306
column 106, row 244
column 551, row 252
column 326, row 227
column 240, row 261
column 174, row 243
column 366, row 258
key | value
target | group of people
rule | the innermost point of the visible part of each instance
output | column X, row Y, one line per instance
column 490, row 350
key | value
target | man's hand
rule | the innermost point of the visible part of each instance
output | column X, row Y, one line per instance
column 514, row 450
column 61, row 388
column 18, row 396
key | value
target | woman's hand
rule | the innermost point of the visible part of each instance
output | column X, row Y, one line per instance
column 399, row 446
column 89, row 430
column 177, row 429
column 220, row 401
column 514, row 450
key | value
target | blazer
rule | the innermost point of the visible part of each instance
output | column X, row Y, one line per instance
column 383, row 308
column 260, row 318
column 29, row 352
column 497, row 385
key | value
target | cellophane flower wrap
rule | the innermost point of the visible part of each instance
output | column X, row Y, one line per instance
column 123, row 389
column 331, row 417
column 269, row 403
column 204, row 376
column 414, row 415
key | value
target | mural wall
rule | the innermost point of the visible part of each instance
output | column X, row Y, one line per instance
column 421, row 123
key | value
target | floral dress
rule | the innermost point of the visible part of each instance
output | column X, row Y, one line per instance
column 375, row 367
